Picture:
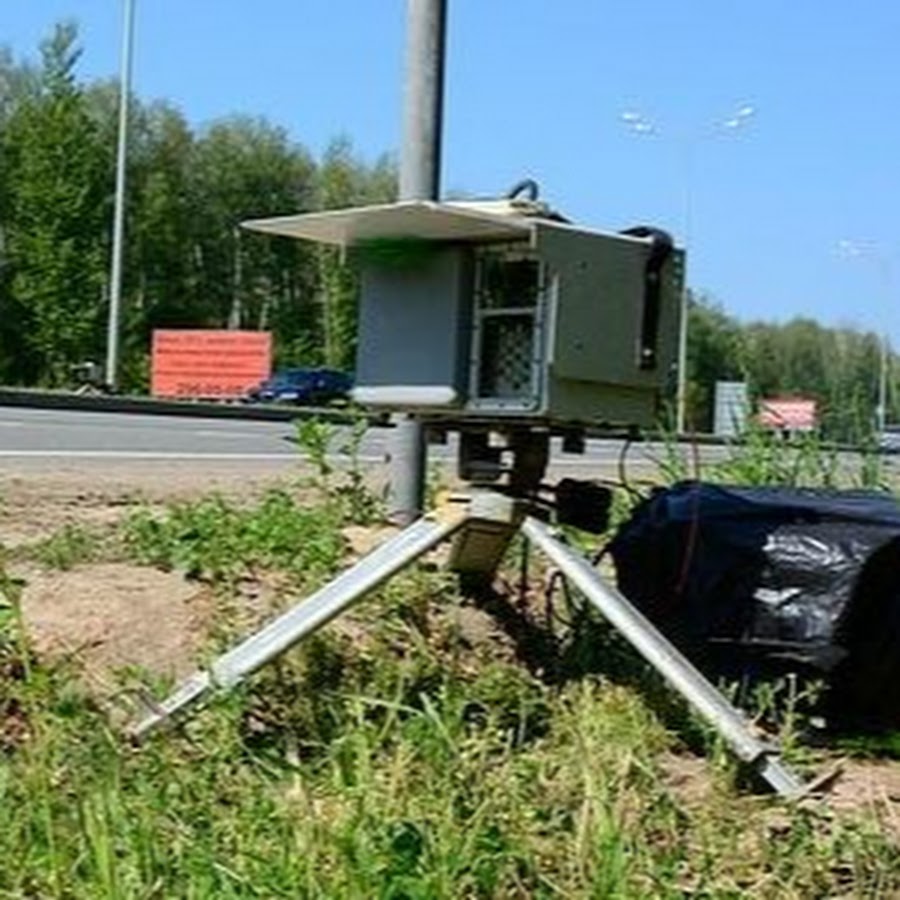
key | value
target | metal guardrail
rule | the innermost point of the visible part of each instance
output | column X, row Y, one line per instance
column 152, row 406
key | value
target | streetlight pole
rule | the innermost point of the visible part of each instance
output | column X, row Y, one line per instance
column 118, row 234
column 881, row 417
column 867, row 250
column 639, row 124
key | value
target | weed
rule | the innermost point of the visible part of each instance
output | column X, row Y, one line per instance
column 68, row 547
column 346, row 485
column 15, row 663
column 220, row 541
column 785, row 705
column 764, row 457
column 884, row 746
column 314, row 437
column 435, row 484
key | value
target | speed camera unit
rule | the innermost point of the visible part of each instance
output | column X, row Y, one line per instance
column 500, row 313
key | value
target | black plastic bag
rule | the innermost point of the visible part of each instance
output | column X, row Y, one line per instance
column 764, row 580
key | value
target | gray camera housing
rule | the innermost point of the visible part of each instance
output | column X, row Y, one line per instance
column 498, row 313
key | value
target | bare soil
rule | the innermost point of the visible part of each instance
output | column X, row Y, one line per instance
column 112, row 616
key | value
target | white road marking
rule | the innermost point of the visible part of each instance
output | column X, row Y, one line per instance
column 170, row 454
column 140, row 454
column 244, row 435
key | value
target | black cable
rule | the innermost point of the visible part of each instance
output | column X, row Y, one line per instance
column 526, row 184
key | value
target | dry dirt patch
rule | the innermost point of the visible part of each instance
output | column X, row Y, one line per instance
column 112, row 615
column 872, row 786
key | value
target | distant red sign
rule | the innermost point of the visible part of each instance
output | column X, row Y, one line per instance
column 208, row 363
column 787, row 413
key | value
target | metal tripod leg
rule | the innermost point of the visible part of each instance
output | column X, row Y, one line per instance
column 667, row 660
column 420, row 537
column 306, row 617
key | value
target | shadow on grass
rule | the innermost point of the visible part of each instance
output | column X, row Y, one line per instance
column 559, row 651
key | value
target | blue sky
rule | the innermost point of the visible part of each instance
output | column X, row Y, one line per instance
column 536, row 88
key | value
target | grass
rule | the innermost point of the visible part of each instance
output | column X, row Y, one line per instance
column 70, row 546
column 763, row 457
column 396, row 756
column 381, row 769
column 220, row 541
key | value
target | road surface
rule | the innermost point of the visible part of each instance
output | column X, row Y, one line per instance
column 53, row 437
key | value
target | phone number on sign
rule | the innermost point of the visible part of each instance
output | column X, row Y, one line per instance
column 201, row 389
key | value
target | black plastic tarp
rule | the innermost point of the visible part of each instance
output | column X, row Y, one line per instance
column 754, row 581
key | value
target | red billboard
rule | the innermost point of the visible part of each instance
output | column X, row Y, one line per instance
column 199, row 363
column 787, row 413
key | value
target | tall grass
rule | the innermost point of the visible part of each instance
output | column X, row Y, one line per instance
column 405, row 762
column 764, row 457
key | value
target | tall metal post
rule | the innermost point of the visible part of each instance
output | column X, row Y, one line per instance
column 639, row 124
column 118, row 235
column 871, row 251
column 884, row 356
column 685, row 299
column 881, row 412
column 420, row 169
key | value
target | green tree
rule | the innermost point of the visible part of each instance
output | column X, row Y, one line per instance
column 159, row 282
column 715, row 353
column 56, row 209
column 344, row 180
column 18, row 81
column 246, row 168
column 836, row 367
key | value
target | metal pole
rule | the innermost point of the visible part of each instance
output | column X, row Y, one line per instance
column 684, row 300
column 884, row 271
column 681, row 381
column 666, row 659
column 420, row 164
column 870, row 251
column 881, row 417
column 236, row 313
column 420, row 155
column 115, row 277
column 637, row 123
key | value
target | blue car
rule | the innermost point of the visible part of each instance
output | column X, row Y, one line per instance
column 305, row 387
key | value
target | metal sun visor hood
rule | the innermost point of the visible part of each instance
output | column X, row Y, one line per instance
column 428, row 220
column 419, row 219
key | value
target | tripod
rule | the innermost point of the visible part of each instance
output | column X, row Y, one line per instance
column 482, row 525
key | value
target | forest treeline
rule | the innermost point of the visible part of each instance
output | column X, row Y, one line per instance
column 187, row 263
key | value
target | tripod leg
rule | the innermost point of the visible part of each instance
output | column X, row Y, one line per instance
column 306, row 617
column 667, row 660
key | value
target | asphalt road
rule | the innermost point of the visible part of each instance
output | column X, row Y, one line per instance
column 48, row 433
column 57, row 435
